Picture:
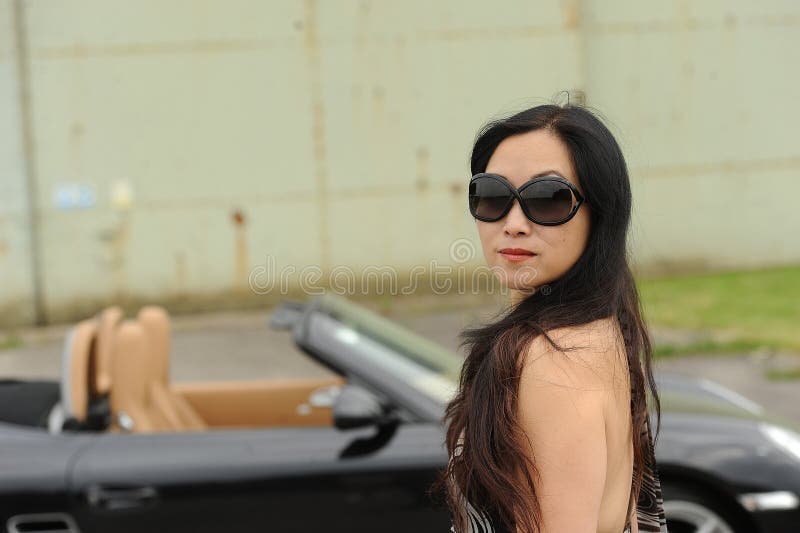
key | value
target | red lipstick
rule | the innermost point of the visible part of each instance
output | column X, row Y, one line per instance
column 516, row 254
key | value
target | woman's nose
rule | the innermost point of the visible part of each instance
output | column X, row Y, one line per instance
column 515, row 221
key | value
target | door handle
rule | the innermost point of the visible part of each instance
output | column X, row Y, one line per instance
column 113, row 499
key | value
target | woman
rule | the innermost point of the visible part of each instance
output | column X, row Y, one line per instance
column 549, row 431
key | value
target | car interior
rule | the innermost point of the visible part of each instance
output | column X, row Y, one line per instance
column 115, row 377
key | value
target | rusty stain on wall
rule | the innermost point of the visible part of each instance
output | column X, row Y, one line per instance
column 423, row 169
column 378, row 105
column 312, row 48
column 571, row 14
column 718, row 167
column 571, row 19
column 361, row 25
column 119, row 244
column 201, row 202
column 82, row 51
column 241, row 261
column 76, row 133
column 116, row 241
column 489, row 33
column 181, row 272
column 3, row 243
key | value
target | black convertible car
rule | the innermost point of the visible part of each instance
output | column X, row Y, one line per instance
column 116, row 447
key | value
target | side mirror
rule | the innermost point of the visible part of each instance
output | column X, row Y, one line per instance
column 356, row 407
column 286, row 315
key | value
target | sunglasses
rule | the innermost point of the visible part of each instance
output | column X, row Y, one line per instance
column 547, row 200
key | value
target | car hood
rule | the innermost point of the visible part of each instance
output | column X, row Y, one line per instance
column 686, row 395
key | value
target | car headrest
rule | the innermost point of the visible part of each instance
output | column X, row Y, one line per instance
column 75, row 362
column 107, row 320
column 156, row 324
column 131, row 373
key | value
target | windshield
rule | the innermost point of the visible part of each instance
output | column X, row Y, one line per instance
column 434, row 370
column 424, row 364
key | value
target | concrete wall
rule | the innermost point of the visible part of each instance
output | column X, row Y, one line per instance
column 16, row 250
column 701, row 92
column 172, row 147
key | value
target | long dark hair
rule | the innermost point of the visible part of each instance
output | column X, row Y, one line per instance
column 486, row 470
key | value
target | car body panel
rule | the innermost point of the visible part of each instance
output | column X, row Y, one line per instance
column 287, row 479
column 35, row 466
column 299, row 479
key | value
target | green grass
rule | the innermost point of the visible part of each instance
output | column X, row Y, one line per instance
column 748, row 310
column 9, row 341
column 776, row 374
column 710, row 347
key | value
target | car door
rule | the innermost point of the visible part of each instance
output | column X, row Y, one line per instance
column 281, row 479
column 34, row 494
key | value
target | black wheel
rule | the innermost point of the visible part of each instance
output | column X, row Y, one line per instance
column 693, row 510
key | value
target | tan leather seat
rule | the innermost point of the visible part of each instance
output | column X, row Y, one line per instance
column 263, row 403
column 156, row 323
column 174, row 406
column 107, row 320
column 144, row 400
column 130, row 375
column 141, row 399
column 75, row 365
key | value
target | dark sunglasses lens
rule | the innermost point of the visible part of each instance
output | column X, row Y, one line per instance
column 488, row 198
column 548, row 201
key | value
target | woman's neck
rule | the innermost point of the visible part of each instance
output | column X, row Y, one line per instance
column 516, row 295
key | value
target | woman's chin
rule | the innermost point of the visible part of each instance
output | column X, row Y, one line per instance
column 522, row 279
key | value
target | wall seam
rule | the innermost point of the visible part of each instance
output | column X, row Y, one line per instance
column 21, row 57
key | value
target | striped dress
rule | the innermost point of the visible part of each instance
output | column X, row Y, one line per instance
column 649, row 507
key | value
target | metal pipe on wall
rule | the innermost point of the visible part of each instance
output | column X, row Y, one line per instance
column 18, row 27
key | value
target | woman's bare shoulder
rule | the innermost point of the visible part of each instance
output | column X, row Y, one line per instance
column 593, row 357
column 600, row 333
